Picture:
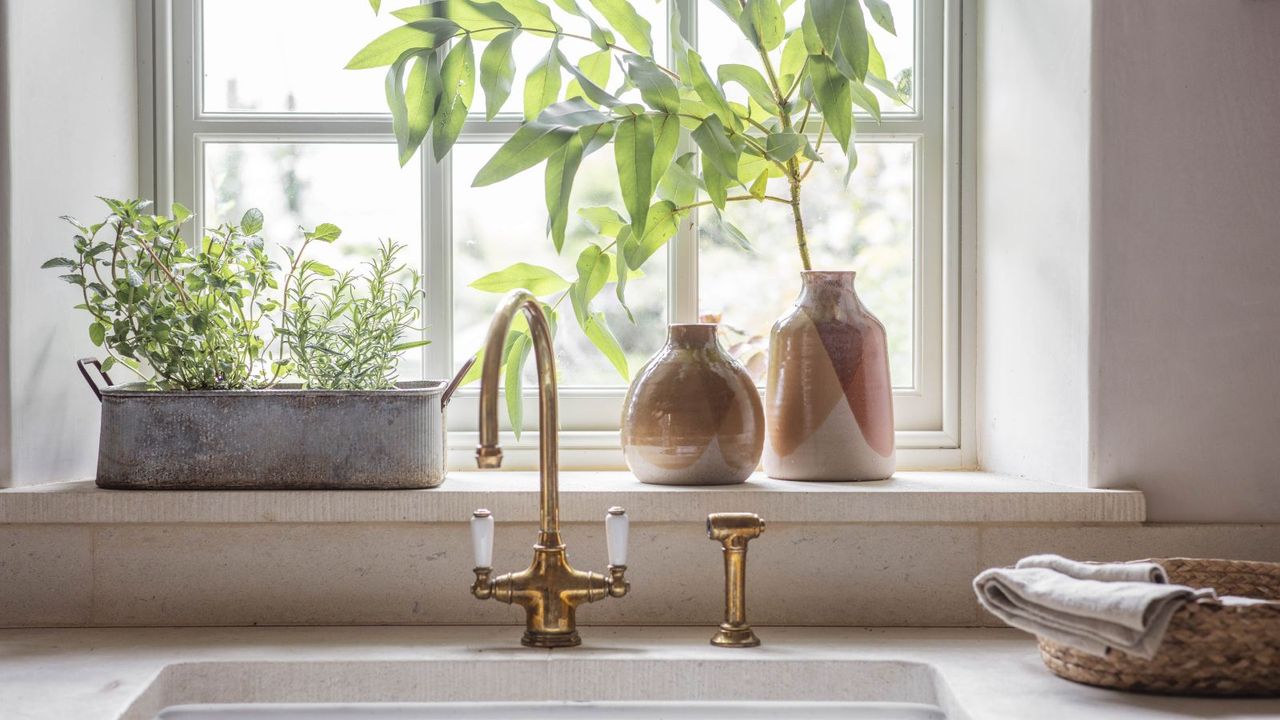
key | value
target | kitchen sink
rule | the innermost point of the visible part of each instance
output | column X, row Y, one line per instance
column 573, row 685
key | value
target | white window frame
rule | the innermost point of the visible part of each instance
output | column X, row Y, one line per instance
column 934, row 416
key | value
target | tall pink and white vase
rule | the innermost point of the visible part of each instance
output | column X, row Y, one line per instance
column 828, row 398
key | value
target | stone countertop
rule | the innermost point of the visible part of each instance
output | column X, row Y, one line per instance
column 96, row 674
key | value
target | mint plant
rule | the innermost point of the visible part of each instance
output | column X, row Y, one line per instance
column 806, row 77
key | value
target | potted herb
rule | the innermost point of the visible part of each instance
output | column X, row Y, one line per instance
column 211, row 325
column 828, row 400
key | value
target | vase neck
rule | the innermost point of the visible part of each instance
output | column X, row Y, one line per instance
column 691, row 335
column 827, row 289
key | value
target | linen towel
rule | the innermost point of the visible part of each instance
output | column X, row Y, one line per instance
column 1089, row 615
column 1106, row 572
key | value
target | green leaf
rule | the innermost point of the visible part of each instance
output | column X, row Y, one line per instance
column 633, row 146
column 716, row 184
column 717, row 229
column 593, row 275
column 831, row 90
column 605, row 220
column 421, row 96
column 590, row 89
column 732, row 8
column 836, row 28
column 656, row 87
column 376, row 5
column 536, row 279
column 762, row 22
column 865, row 99
column 760, row 186
column 596, row 67
column 542, row 86
column 428, row 33
column 325, row 232
column 251, row 222
column 58, row 262
column 663, row 223
column 536, row 141
column 562, row 166
column 597, row 331
column 458, row 72
column 666, row 139
column 794, row 54
column 882, row 14
column 710, row 92
column 97, row 333
column 754, row 83
column 630, row 25
column 181, row 213
column 514, row 381
column 782, row 146
column 679, row 184
column 319, row 268
column 717, row 150
column 108, row 363
column 620, row 279
column 497, row 72
column 401, row 347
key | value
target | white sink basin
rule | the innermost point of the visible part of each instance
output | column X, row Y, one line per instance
column 553, row 685
column 542, row 711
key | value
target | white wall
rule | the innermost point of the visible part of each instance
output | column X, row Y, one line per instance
column 1033, row 237
column 72, row 122
column 1186, row 255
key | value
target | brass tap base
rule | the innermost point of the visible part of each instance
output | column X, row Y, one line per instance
column 550, row 640
column 740, row 637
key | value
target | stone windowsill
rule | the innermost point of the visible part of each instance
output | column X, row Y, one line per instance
column 910, row 497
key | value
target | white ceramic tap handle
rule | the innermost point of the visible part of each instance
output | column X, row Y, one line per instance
column 482, row 537
column 616, row 527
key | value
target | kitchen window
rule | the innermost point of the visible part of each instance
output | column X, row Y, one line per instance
column 246, row 103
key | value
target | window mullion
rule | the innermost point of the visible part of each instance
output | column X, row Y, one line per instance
column 682, row 255
column 437, row 262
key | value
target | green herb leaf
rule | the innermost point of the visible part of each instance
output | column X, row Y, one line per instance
column 605, row 220
column 536, row 279
column 710, row 92
column 782, row 146
column 326, row 232
column 596, row 67
column 513, row 381
column 865, row 99
column 251, row 223
column 754, row 83
column 421, row 97
column 656, row 88
column 97, row 333
column 57, row 262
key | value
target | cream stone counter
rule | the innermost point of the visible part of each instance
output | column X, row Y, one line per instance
column 104, row 674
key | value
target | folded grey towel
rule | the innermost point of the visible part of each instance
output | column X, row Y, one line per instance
column 1089, row 615
column 1106, row 572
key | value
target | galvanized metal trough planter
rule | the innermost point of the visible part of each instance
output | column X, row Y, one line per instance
column 284, row 438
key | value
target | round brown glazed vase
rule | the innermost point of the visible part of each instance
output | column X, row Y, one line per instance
column 692, row 415
column 828, row 397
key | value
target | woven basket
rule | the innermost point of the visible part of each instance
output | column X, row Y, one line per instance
column 1209, row 649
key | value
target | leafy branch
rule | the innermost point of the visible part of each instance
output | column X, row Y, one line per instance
column 647, row 112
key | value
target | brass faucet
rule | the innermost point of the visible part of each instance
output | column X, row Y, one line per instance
column 733, row 530
column 549, row 590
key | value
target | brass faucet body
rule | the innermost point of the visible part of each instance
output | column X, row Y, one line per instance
column 733, row 531
column 549, row 590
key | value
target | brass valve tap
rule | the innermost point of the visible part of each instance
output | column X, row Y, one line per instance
column 734, row 530
column 549, row 590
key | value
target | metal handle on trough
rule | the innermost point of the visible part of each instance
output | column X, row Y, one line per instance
column 82, row 364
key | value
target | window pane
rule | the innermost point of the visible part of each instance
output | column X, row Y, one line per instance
column 359, row 187
column 720, row 41
column 502, row 224
column 288, row 56
column 867, row 227
column 529, row 49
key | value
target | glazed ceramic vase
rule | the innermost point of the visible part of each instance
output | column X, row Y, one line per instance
column 828, row 397
column 692, row 416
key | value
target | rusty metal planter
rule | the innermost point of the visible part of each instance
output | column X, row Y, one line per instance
column 283, row 438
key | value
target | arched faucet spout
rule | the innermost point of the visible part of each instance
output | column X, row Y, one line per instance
column 488, row 452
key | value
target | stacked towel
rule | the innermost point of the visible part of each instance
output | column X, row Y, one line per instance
column 1088, row 606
